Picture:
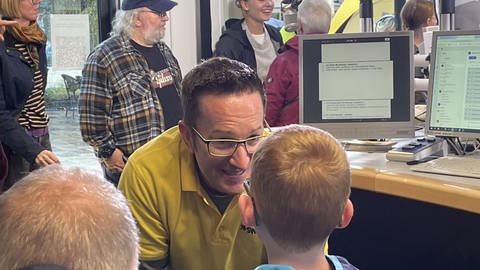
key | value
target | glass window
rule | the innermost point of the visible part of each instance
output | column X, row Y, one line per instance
column 72, row 31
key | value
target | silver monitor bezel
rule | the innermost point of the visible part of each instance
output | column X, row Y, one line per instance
column 361, row 130
column 442, row 133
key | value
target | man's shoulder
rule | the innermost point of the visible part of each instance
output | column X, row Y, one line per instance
column 290, row 49
column 166, row 144
column 159, row 158
column 286, row 59
column 115, row 45
column 159, row 167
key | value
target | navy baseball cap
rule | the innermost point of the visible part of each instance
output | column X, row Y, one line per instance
column 155, row 5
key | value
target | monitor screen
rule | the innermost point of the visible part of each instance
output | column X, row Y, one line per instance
column 358, row 86
column 454, row 86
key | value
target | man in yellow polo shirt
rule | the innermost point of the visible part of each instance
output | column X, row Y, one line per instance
column 183, row 186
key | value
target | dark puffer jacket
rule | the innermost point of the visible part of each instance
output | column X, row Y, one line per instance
column 234, row 44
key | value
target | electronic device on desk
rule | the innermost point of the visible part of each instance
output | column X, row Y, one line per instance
column 358, row 86
column 453, row 110
column 368, row 145
column 450, row 165
column 419, row 149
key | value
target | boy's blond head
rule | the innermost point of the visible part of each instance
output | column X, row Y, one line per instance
column 300, row 183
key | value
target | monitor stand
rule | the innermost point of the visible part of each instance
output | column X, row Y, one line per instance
column 369, row 145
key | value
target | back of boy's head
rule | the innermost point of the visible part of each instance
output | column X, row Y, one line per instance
column 300, row 182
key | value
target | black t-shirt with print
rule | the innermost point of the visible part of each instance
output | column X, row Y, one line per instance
column 162, row 80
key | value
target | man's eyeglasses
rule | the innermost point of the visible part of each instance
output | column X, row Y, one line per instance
column 227, row 147
column 161, row 14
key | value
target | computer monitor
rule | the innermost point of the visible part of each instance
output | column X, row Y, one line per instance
column 453, row 108
column 358, row 86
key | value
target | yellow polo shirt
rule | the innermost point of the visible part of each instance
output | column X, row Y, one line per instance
column 175, row 215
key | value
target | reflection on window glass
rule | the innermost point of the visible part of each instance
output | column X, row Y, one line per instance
column 72, row 31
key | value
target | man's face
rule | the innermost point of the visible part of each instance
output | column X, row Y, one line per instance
column 226, row 117
column 259, row 10
column 153, row 26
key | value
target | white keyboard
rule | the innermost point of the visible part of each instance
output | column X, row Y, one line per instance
column 458, row 166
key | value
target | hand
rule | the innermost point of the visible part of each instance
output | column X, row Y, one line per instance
column 3, row 23
column 115, row 162
column 46, row 157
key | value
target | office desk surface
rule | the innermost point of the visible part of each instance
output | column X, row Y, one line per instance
column 373, row 172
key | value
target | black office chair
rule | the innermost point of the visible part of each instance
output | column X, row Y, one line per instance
column 71, row 85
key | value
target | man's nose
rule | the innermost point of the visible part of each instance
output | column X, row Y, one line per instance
column 240, row 158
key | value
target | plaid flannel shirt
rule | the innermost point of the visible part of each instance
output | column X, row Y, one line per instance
column 117, row 104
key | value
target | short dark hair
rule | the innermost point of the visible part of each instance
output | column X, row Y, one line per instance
column 218, row 76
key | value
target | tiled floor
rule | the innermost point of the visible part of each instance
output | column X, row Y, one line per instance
column 67, row 142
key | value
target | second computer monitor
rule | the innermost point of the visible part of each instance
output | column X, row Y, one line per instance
column 358, row 86
column 454, row 87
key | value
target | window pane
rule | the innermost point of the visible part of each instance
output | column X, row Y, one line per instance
column 72, row 31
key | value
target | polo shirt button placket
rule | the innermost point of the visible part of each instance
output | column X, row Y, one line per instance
column 205, row 201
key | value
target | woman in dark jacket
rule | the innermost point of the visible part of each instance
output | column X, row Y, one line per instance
column 23, row 119
column 250, row 40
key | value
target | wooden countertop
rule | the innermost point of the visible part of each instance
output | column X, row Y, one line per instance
column 373, row 172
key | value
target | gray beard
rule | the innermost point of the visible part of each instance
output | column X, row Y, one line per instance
column 155, row 38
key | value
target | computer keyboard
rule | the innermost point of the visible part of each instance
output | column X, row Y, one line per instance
column 457, row 166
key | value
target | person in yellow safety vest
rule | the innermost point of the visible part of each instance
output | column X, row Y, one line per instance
column 347, row 17
column 286, row 35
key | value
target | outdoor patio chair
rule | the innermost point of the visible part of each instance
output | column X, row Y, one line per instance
column 71, row 85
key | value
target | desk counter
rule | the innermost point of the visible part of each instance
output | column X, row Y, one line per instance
column 373, row 172
column 408, row 220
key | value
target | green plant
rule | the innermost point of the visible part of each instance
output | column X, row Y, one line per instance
column 55, row 93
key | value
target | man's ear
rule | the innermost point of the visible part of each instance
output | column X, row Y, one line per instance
column 136, row 21
column 246, row 210
column 186, row 134
column 347, row 214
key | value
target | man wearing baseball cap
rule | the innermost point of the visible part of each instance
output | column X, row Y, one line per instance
column 155, row 5
column 130, row 85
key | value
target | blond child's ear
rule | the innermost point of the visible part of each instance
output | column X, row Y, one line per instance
column 246, row 210
column 347, row 214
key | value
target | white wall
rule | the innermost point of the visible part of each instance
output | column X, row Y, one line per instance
column 218, row 12
column 182, row 35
